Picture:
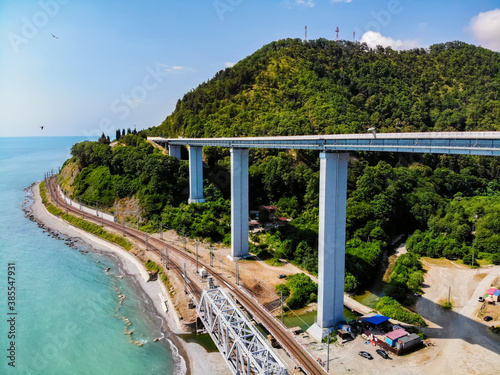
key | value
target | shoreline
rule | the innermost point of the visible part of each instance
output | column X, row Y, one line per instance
column 188, row 358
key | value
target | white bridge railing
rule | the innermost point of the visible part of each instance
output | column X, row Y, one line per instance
column 242, row 346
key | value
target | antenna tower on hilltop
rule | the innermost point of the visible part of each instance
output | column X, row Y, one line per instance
column 354, row 36
column 306, row 35
column 337, row 31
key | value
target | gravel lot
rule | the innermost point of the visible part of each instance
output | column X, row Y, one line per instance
column 461, row 341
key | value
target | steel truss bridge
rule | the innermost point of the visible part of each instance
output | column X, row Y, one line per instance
column 242, row 346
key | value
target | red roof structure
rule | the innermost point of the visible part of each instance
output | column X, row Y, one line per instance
column 396, row 334
column 492, row 291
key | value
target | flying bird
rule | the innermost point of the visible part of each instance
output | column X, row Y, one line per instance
column 41, row 127
column 373, row 131
column 54, row 36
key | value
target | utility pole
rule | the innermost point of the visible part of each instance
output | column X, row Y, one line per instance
column 328, row 354
column 166, row 257
column 123, row 226
column 449, row 293
column 146, row 241
column 161, row 230
column 138, row 219
column 184, row 240
column 281, row 300
column 185, row 279
column 237, row 272
column 211, row 256
column 196, row 245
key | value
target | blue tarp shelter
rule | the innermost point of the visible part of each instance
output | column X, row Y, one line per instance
column 377, row 319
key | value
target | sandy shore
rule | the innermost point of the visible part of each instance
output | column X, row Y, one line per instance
column 189, row 358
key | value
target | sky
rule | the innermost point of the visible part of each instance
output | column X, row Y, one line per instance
column 82, row 68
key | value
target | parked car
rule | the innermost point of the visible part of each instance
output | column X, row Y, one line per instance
column 366, row 355
column 481, row 299
column 282, row 276
column 487, row 318
column 382, row 353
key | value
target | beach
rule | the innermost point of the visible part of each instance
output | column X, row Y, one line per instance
column 190, row 358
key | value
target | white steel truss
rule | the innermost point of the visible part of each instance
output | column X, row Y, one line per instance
column 242, row 346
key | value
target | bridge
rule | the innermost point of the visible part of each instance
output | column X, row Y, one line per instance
column 334, row 151
column 243, row 348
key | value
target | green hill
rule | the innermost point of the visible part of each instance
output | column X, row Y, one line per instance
column 291, row 87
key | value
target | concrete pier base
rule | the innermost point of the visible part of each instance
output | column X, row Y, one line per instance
column 195, row 174
column 331, row 240
column 239, row 202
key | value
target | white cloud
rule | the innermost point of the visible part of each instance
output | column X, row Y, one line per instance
column 340, row 1
column 175, row 69
column 374, row 39
column 486, row 29
column 307, row 3
column 229, row 64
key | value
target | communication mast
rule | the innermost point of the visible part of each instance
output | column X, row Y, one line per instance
column 354, row 36
column 306, row 35
column 337, row 31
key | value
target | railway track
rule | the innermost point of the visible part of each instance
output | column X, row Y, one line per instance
column 280, row 333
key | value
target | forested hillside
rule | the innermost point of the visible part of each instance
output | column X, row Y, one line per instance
column 292, row 87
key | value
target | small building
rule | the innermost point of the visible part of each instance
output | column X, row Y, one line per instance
column 408, row 342
column 281, row 221
column 492, row 291
column 267, row 213
column 496, row 296
column 343, row 334
column 392, row 337
column 296, row 330
column 345, row 327
column 253, row 224
column 377, row 319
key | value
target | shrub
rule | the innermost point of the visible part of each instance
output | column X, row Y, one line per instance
column 393, row 309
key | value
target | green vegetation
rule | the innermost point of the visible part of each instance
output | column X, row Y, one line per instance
column 407, row 277
column 393, row 309
column 447, row 305
column 290, row 87
column 300, row 289
column 82, row 224
column 152, row 266
column 450, row 233
column 97, row 230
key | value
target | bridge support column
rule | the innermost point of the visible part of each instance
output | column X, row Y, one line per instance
column 239, row 202
column 331, row 242
column 195, row 174
column 175, row 151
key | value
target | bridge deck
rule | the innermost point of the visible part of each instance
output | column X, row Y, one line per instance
column 473, row 143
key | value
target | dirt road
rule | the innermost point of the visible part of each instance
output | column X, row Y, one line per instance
column 463, row 342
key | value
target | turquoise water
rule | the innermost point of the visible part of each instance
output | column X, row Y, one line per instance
column 66, row 320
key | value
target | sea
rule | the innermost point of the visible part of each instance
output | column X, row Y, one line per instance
column 59, row 311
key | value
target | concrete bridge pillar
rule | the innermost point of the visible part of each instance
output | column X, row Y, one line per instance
column 195, row 174
column 239, row 202
column 175, row 151
column 331, row 241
